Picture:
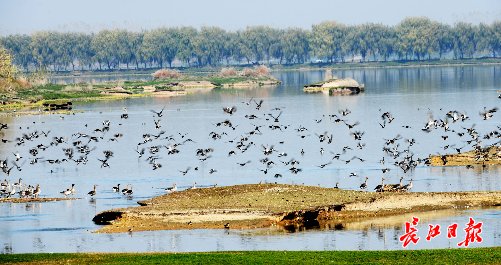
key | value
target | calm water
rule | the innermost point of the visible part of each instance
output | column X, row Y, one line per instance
column 411, row 95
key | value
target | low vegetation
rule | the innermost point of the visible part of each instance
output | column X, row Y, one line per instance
column 166, row 82
column 471, row 256
column 166, row 74
column 9, row 80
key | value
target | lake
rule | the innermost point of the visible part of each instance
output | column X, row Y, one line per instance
column 411, row 95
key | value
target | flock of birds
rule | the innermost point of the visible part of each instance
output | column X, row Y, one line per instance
column 153, row 147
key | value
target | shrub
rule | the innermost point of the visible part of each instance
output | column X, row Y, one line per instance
column 38, row 78
column 10, row 79
column 248, row 72
column 226, row 72
column 256, row 72
column 7, row 69
column 166, row 74
column 262, row 70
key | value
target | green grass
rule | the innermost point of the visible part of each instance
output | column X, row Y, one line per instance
column 132, row 84
column 439, row 256
column 219, row 81
column 227, row 80
column 55, row 91
column 84, row 91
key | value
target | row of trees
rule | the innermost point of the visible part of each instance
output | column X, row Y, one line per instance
column 412, row 39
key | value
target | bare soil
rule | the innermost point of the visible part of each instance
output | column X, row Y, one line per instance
column 265, row 205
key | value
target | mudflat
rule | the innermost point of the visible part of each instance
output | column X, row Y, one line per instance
column 264, row 205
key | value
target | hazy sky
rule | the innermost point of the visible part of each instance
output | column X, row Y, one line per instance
column 26, row 16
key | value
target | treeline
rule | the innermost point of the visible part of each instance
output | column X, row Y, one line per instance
column 412, row 39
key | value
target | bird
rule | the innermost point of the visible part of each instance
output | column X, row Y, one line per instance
column 230, row 110
column 92, row 192
column 116, row 188
column 160, row 113
column 258, row 104
column 18, row 156
column 19, row 183
column 406, row 187
column 268, row 150
column 249, row 102
column 66, row 192
column 36, row 192
column 379, row 188
column 244, row 163
column 227, row 226
column 363, row 186
column 12, row 192
column 344, row 112
column 324, row 165
column 185, row 171
column 275, row 119
column 171, row 189
column 487, row 114
column 129, row 192
column 396, row 187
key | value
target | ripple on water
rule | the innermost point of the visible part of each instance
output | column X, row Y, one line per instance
column 407, row 93
column 54, row 229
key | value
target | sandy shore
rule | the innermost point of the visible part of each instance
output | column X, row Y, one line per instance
column 487, row 156
column 258, row 206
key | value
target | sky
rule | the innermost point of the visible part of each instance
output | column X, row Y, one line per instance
column 28, row 16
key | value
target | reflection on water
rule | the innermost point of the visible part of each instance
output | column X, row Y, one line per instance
column 376, row 234
column 410, row 94
column 95, row 79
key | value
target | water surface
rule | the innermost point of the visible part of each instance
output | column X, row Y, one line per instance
column 410, row 94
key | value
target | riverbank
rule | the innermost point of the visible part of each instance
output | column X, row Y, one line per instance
column 486, row 156
column 293, row 67
column 288, row 206
column 388, row 64
column 433, row 256
column 35, row 97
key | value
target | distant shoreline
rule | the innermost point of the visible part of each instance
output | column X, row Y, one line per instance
column 34, row 99
column 295, row 67
column 392, row 64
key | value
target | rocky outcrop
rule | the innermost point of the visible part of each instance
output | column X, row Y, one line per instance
column 336, row 86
